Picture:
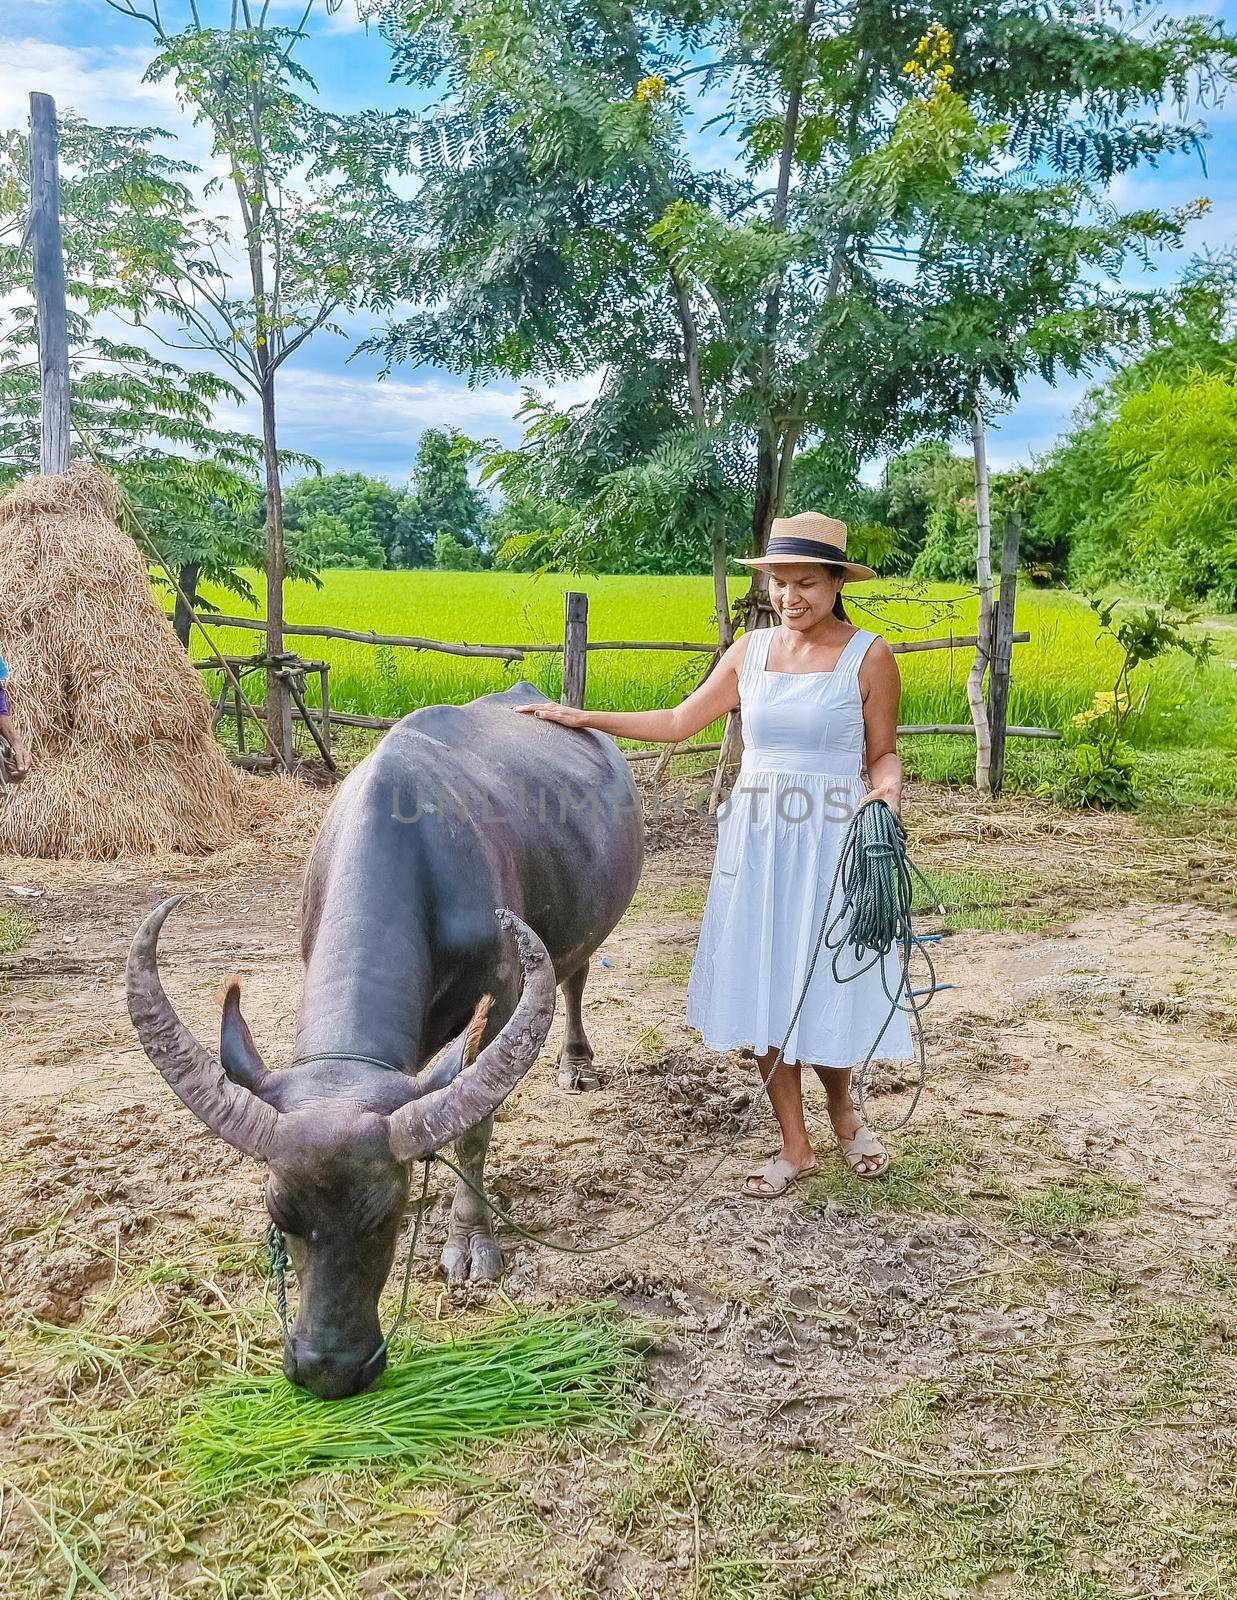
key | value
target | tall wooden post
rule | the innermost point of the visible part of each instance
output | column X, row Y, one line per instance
column 575, row 649
column 983, row 628
column 49, row 296
column 1002, row 653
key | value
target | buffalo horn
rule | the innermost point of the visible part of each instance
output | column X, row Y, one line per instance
column 190, row 1071
column 438, row 1118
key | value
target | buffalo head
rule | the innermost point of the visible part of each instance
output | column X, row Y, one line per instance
column 337, row 1138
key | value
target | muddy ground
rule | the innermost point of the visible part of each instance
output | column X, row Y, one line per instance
column 1005, row 1370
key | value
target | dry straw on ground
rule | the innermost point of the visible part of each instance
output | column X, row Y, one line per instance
column 120, row 725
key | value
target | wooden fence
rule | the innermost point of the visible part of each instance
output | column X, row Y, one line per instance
column 575, row 648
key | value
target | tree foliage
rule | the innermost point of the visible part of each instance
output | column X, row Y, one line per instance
column 324, row 540
column 444, row 498
column 453, row 555
column 1178, row 443
column 951, row 527
column 373, row 512
column 829, row 277
column 1142, row 490
column 349, row 519
column 148, row 419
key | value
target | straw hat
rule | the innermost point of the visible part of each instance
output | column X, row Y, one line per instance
column 807, row 537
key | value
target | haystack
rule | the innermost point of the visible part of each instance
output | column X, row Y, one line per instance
column 125, row 763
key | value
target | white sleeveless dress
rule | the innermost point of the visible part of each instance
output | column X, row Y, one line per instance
column 778, row 841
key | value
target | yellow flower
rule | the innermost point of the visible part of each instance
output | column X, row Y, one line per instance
column 650, row 88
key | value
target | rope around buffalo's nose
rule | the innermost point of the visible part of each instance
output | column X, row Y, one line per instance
column 876, row 876
column 278, row 1262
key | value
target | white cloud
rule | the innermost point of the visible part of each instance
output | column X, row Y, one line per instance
column 101, row 83
column 361, row 423
column 392, row 404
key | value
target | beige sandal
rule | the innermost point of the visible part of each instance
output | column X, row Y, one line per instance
column 778, row 1175
column 865, row 1146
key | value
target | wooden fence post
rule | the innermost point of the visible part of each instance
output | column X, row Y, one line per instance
column 43, row 231
column 575, row 648
column 1002, row 652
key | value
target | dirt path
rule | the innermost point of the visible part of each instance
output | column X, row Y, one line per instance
column 1044, row 1282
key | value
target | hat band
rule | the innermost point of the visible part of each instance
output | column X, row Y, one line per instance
column 787, row 544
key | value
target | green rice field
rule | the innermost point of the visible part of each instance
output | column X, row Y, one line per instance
column 1189, row 709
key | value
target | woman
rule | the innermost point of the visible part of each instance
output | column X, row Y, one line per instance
column 19, row 765
column 820, row 702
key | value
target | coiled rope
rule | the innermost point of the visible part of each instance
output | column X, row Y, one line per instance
column 877, row 877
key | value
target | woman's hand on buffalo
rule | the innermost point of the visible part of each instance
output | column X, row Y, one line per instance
column 550, row 711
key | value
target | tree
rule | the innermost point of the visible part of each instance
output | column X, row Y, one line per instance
column 146, row 418
column 1179, row 444
column 310, row 190
column 1139, row 490
column 370, row 508
column 324, row 540
column 446, row 499
column 834, row 282
column 636, row 492
column 825, row 477
column 526, row 529
column 1082, row 507
column 948, row 553
column 453, row 555
column 915, row 479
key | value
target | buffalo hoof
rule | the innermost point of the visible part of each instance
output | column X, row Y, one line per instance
column 473, row 1258
column 577, row 1073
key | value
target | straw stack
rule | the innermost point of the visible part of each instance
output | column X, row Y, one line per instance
column 125, row 763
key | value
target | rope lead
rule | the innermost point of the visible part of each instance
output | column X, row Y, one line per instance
column 874, row 917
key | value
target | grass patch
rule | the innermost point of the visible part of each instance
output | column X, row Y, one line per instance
column 1218, row 1275
column 683, row 900
column 672, row 1513
column 1086, row 1528
column 993, row 900
column 676, row 968
column 548, row 1371
column 916, row 1181
column 1074, row 1207
column 901, row 1425
column 16, row 930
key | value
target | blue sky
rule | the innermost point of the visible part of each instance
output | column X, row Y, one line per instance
column 336, row 408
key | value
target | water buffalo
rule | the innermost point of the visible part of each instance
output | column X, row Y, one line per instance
column 459, row 813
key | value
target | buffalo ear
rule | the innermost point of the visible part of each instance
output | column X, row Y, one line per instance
column 238, row 1055
column 472, row 1040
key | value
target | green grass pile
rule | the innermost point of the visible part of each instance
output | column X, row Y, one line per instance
column 554, row 1370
